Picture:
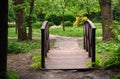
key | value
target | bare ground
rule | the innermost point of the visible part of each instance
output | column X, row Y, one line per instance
column 20, row 63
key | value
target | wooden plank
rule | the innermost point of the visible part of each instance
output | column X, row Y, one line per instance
column 65, row 60
column 67, row 55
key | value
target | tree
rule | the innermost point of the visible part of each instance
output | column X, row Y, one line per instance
column 3, row 37
column 20, row 19
column 106, row 15
column 30, row 20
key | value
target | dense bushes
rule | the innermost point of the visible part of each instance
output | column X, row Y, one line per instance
column 108, row 55
column 80, row 19
column 22, row 47
column 12, row 75
column 37, row 25
column 68, row 23
column 114, row 60
column 56, row 19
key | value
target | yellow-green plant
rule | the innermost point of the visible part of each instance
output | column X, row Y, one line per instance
column 80, row 19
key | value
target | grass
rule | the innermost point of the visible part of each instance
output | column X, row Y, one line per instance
column 69, row 31
column 75, row 32
column 23, row 47
column 11, row 32
column 103, row 49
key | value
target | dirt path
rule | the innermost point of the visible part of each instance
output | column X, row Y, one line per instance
column 21, row 64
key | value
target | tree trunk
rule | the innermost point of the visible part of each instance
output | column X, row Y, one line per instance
column 30, row 20
column 88, row 9
column 63, row 21
column 20, row 20
column 3, row 37
column 106, row 15
column 119, row 6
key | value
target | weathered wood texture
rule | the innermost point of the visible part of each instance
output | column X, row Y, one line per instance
column 89, row 39
column 67, row 54
column 44, row 42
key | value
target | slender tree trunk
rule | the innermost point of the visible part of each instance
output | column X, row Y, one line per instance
column 3, row 37
column 63, row 21
column 30, row 20
column 88, row 9
column 20, row 21
column 106, row 14
column 119, row 4
column 16, row 27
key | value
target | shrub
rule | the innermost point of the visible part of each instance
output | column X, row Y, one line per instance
column 54, row 18
column 14, row 47
column 36, row 62
column 114, row 60
column 69, row 18
column 37, row 25
column 116, row 76
column 68, row 23
column 12, row 75
column 22, row 47
column 50, row 23
column 116, row 30
column 80, row 19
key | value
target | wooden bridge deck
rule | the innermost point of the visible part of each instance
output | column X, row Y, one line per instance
column 67, row 54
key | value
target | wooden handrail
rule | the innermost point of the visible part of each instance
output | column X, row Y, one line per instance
column 89, row 39
column 45, row 46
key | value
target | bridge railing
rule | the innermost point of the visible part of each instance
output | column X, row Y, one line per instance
column 45, row 46
column 89, row 39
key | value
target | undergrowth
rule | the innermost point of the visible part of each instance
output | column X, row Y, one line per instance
column 12, row 75
column 22, row 47
column 36, row 62
column 108, row 55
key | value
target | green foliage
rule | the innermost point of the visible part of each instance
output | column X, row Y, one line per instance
column 114, row 60
column 11, row 12
column 68, row 23
column 116, row 30
column 34, row 18
column 106, row 48
column 98, row 62
column 22, row 47
column 70, row 18
column 50, row 23
column 14, row 47
column 116, row 76
column 37, row 25
column 36, row 62
column 54, row 18
column 110, row 54
column 116, row 11
column 80, row 19
column 12, row 75
column 20, row 6
column 70, row 31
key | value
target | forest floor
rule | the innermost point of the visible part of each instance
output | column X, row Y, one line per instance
column 20, row 63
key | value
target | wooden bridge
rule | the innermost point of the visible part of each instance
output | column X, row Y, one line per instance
column 67, row 53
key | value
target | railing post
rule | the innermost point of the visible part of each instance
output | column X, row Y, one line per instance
column 89, row 39
column 42, row 48
column 93, row 43
column 45, row 46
